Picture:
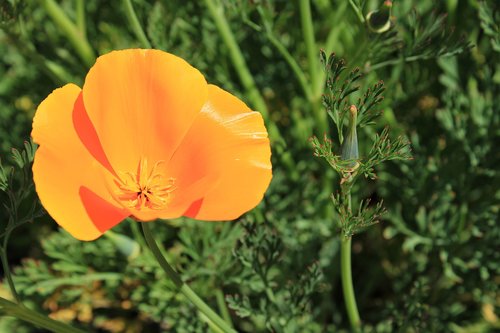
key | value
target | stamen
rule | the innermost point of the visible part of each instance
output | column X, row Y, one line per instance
column 145, row 189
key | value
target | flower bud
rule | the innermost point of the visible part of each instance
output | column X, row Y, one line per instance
column 350, row 144
column 125, row 245
column 379, row 20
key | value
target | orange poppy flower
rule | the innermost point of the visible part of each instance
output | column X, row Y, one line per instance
column 146, row 137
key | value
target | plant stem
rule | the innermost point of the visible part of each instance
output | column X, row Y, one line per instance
column 398, row 60
column 308, row 34
column 346, row 275
column 237, row 58
column 299, row 74
column 249, row 85
column 313, row 65
column 35, row 318
column 332, row 40
column 56, row 72
column 136, row 25
column 357, row 10
column 75, row 37
column 221, row 303
column 80, row 17
column 241, row 67
column 6, row 268
column 183, row 288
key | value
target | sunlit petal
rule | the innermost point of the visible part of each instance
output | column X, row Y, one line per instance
column 69, row 180
column 229, row 142
column 141, row 103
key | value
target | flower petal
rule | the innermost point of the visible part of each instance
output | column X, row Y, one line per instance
column 68, row 179
column 142, row 103
column 229, row 140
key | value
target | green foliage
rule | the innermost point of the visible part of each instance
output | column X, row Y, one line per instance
column 385, row 149
column 16, row 185
column 347, row 164
column 431, row 265
column 352, row 222
column 489, row 22
column 283, row 305
column 415, row 38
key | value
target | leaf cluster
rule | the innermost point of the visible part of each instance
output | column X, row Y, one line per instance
column 340, row 94
column 337, row 103
column 415, row 37
column 17, row 188
column 385, row 149
column 353, row 222
column 282, row 305
column 490, row 18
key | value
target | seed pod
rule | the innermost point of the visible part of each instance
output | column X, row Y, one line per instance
column 379, row 21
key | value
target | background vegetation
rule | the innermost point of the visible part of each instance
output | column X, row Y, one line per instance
column 431, row 265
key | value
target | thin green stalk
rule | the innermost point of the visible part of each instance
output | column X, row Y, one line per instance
column 357, row 10
column 332, row 38
column 246, row 78
column 237, row 58
column 313, row 65
column 23, row 313
column 221, row 303
column 299, row 74
column 183, row 288
column 56, row 72
column 80, row 17
column 75, row 37
column 346, row 275
column 136, row 25
column 396, row 61
column 311, row 49
column 6, row 268
column 136, row 232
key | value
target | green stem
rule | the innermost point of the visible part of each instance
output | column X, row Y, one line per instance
column 23, row 313
column 8, row 276
column 313, row 66
column 221, row 303
column 397, row 61
column 346, row 275
column 75, row 37
column 312, row 51
column 183, row 288
column 357, row 10
column 136, row 25
column 80, row 17
column 248, row 83
column 136, row 232
column 332, row 41
column 299, row 74
column 23, row 44
column 6, row 268
column 237, row 58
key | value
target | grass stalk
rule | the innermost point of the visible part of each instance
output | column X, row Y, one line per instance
column 181, row 286
column 346, row 276
column 80, row 17
column 135, row 24
column 23, row 313
column 313, row 65
column 74, row 35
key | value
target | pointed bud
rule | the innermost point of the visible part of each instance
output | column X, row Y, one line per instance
column 350, row 144
column 127, row 246
column 379, row 21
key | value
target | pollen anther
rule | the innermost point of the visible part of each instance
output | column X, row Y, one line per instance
column 145, row 189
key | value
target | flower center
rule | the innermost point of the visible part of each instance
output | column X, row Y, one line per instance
column 145, row 188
